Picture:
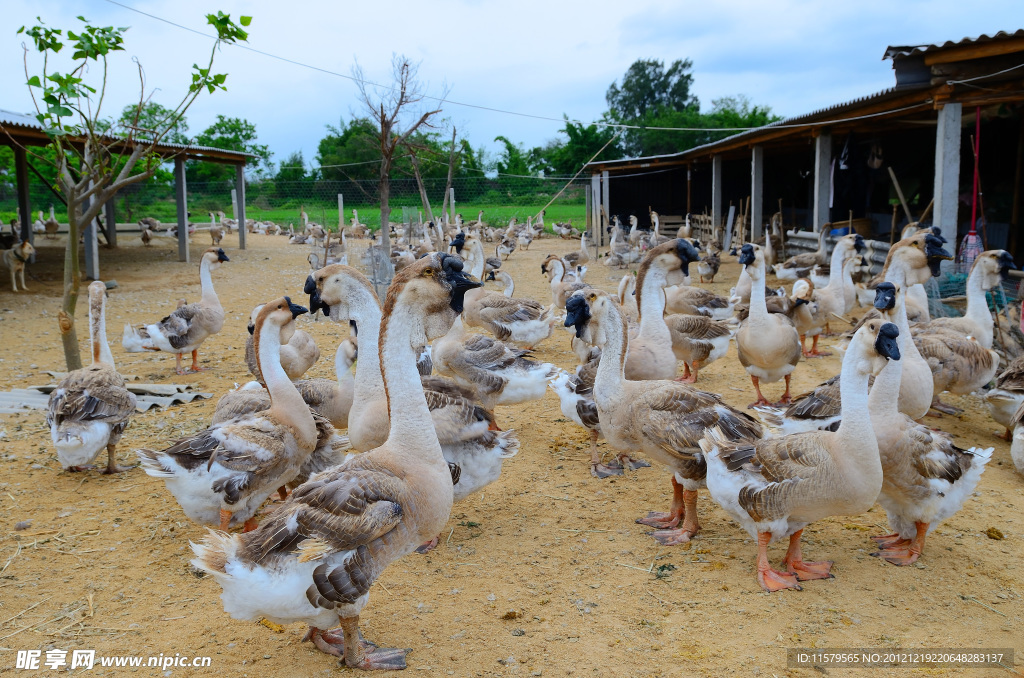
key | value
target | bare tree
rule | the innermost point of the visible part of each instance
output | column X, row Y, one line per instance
column 387, row 107
column 452, row 154
column 93, row 159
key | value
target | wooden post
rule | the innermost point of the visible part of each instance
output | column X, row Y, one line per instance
column 341, row 213
column 947, row 173
column 756, row 192
column 589, row 214
column 689, row 181
column 595, row 205
column 605, row 216
column 716, row 192
column 1015, row 210
column 111, row 216
column 21, row 178
column 240, row 200
column 451, row 202
column 822, row 180
column 181, row 203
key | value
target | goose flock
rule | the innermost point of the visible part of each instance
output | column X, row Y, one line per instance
column 328, row 481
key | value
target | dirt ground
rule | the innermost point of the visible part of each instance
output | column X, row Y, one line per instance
column 543, row 573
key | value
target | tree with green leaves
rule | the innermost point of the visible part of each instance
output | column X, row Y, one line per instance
column 231, row 134
column 93, row 163
column 582, row 143
column 649, row 89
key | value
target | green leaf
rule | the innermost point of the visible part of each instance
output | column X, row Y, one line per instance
column 34, row 81
column 245, row 20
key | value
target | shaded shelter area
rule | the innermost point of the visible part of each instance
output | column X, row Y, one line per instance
column 23, row 132
column 885, row 159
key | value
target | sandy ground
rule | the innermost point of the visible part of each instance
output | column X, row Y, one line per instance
column 543, row 573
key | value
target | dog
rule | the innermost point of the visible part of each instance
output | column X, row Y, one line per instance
column 16, row 260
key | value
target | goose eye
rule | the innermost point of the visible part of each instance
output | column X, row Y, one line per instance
column 428, row 272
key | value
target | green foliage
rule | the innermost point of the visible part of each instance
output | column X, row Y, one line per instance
column 233, row 134
column 151, row 119
column 355, row 145
column 565, row 158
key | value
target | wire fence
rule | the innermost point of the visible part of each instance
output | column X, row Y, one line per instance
column 281, row 201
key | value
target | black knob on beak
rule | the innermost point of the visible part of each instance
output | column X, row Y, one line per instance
column 885, row 342
column 577, row 314
column 295, row 308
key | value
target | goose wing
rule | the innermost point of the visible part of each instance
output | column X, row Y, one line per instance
column 177, row 325
column 820, row 403
column 456, row 419
column 678, row 418
column 94, row 393
column 1012, row 378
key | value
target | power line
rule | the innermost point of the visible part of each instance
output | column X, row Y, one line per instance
column 491, row 109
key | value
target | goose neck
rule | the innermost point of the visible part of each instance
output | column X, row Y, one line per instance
column 286, row 403
column 369, row 383
column 98, row 332
column 510, row 286
column 855, row 429
column 883, row 399
column 206, row 282
column 758, row 304
column 407, row 406
column 652, row 302
column 342, row 367
column 611, row 370
column 977, row 305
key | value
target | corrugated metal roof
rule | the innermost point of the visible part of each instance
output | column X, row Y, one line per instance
column 822, row 114
column 12, row 119
column 892, row 52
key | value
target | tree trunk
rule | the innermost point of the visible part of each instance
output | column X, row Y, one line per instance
column 72, row 281
column 423, row 189
column 451, row 169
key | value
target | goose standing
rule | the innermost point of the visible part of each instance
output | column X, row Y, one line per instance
column 522, row 321
column 187, row 327
column 767, row 344
column 316, row 557
column 926, row 477
column 800, row 265
column 664, row 419
column 51, row 225
column 1007, row 396
column 776, row 487
column 221, row 475
column 91, row 407
column 297, row 355
column 216, row 232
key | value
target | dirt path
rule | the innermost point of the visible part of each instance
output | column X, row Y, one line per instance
column 543, row 573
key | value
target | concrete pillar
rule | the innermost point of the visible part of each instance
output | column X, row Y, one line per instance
column 111, row 217
column 822, row 180
column 181, row 201
column 756, row 192
column 606, row 215
column 947, row 174
column 595, row 210
column 716, row 191
column 240, row 192
column 21, row 179
column 341, row 213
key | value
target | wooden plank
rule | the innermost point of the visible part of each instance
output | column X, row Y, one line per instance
column 21, row 177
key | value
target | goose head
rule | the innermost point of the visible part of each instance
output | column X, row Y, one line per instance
column 215, row 256
column 918, row 256
column 885, row 298
column 435, row 286
column 994, row 266
column 752, row 259
column 281, row 314
column 876, row 344
column 333, row 287
column 802, row 293
column 347, row 353
column 589, row 312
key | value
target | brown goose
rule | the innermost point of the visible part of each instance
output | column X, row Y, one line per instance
column 297, row 356
column 663, row 419
column 315, row 558
column 91, row 407
column 775, row 487
column 220, row 476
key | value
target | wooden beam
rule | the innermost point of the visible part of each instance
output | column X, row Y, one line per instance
column 974, row 51
column 21, row 180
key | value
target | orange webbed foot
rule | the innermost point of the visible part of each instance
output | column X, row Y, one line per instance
column 803, row 570
column 773, row 580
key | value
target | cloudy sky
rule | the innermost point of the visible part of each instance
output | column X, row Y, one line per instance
column 538, row 58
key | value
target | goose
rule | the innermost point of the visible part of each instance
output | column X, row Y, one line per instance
column 989, row 270
column 187, row 327
column 505, row 248
column 522, row 321
column 525, row 238
column 1017, row 445
column 697, row 341
column 909, row 264
column 580, row 258
column 465, row 431
column 505, row 279
column 501, row 375
column 708, row 267
column 627, row 298
column 216, row 232
column 147, row 237
column 331, row 399
column 775, row 487
column 926, row 478
column 322, row 549
column 228, row 224
column 51, row 225
column 799, row 265
column 633, row 237
column 562, row 282
column 221, row 475
column 650, row 354
column 576, row 400
column 90, row 408
column 767, row 344
column 297, row 355
column 830, row 302
column 1006, row 397
column 38, row 226
column 663, row 419
column 959, row 364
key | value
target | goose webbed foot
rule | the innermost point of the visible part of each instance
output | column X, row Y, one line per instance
column 1006, row 435
column 327, row 642
column 660, row 519
column 383, row 659
column 803, row 570
column 947, row 409
column 79, row 469
column 195, row 363
column 772, row 580
column 633, row 464
column 890, row 540
column 360, row 653
column 905, row 551
column 112, row 466
column 428, row 546
column 599, row 470
column 673, row 537
column 250, row 525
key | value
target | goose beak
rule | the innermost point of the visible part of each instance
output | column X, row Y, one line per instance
column 885, row 342
column 885, row 297
column 858, row 243
column 315, row 303
column 799, row 301
column 251, row 328
column 458, row 281
column 577, row 314
column 221, row 256
column 686, row 253
column 935, row 252
column 1005, row 264
column 295, row 308
column 352, row 326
